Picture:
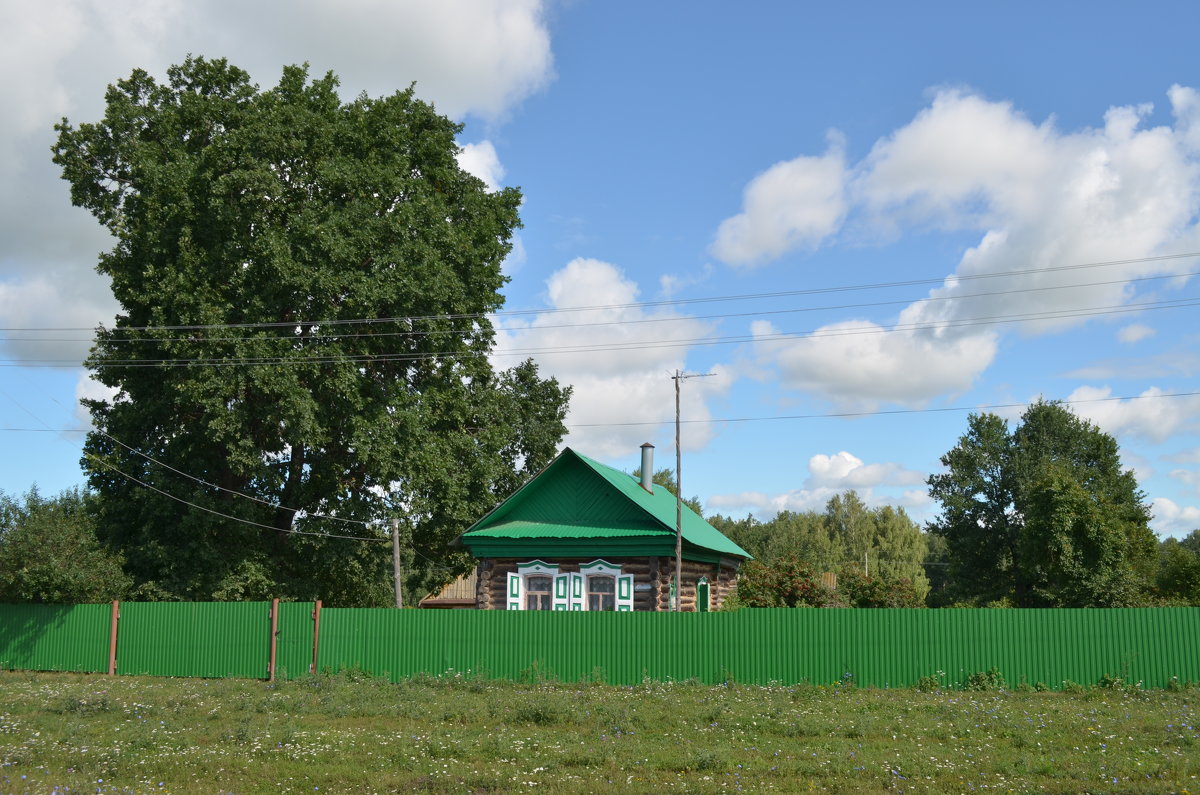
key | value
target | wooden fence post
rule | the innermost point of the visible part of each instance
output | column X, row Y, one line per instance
column 274, row 639
column 112, row 639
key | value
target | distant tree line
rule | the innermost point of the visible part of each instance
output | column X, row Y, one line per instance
column 1040, row 515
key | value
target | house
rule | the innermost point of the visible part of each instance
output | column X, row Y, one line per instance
column 584, row 536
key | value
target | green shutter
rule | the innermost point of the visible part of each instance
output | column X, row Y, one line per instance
column 702, row 596
column 624, row 593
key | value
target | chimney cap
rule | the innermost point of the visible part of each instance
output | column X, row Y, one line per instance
column 647, row 444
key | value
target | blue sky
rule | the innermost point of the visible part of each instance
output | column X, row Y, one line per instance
column 951, row 205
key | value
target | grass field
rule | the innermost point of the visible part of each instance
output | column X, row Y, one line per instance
column 352, row 733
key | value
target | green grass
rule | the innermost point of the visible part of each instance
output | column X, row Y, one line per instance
column 354, row 733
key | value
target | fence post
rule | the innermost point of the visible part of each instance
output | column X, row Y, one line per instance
column 274, row 639
column 112, row 639
column 316, row 616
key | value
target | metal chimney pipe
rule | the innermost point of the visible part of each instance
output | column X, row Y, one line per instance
column 648, row 467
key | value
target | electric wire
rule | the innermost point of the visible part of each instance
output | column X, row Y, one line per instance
column 639, row 304
column 828, row 415
column 880, row 412
column 203, row 482
column 314, row 338
column 639, row 345
column 291, row 531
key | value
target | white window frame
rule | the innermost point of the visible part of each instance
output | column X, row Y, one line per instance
column 623, row 596
column 568, row 591
column 516, row 583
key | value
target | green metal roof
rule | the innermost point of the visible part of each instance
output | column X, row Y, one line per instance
column 578, row 498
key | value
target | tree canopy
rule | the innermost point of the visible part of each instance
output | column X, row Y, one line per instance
column 302, row 350
column 1043, row 515
column 49, row 552
column 877, row 554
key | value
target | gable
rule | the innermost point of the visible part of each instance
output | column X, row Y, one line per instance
column 576, row 500
column 568, row 493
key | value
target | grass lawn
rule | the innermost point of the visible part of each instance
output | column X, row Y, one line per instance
column 348, row 733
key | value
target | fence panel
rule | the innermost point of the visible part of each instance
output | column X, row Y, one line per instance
column 55, row 637
column 294, row 644
column 206, row 639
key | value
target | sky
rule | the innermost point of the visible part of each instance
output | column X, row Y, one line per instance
column 858, row 221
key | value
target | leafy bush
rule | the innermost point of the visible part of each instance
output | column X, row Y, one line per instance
column 991, row 679
column 788, row 582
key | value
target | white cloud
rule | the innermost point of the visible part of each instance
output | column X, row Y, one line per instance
column 1149, row 415
column 828, row 476
column 670, row 285
column 1134, row 332
column 1191, row 456
column 41, row 302
column 1173, row 520
column 89, row 388
column 858, row 363
column 1039, row 199
column 618, row 357
column 481, row 160
column 793, row 204
column 846, row 471
column 1188, row 477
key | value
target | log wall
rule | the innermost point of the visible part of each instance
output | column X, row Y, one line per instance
column 651, row 580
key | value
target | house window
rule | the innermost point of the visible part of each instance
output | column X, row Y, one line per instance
column 598, row 585
column 602, row 592
column 534, row 586
column 537, row 592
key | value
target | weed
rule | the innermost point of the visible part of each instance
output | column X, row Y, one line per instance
column 991, row 679
column 928, row 684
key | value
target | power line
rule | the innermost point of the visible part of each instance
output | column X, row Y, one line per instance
column 1050, row 315
column 291, row 531
column 203, row 482
column 829, row 415
column 637, row 304
column 317, row 338
column 882, row 412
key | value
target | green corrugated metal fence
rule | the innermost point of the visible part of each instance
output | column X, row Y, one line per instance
column 878, row 647
column 55, row 637
column 207, row 639
column 873, row 647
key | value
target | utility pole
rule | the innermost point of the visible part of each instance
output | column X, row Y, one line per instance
column 679, row 376
column 396, row 562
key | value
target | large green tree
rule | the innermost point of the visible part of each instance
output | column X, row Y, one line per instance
column 1043, row 515
column 303, row 344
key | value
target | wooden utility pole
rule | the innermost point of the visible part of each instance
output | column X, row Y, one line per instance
column 679, row 376
column 396, row 562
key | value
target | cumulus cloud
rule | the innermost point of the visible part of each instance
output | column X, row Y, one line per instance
column 793, row 204
column 859, row 363
column 88, row 388
column 1173, row 520
column 1149, row 415
column 1134, row 332
column 829, row 475
column 844, row 470
column 470, row 58
column 481, row 160
column 1042, row 201
column 618, row 357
